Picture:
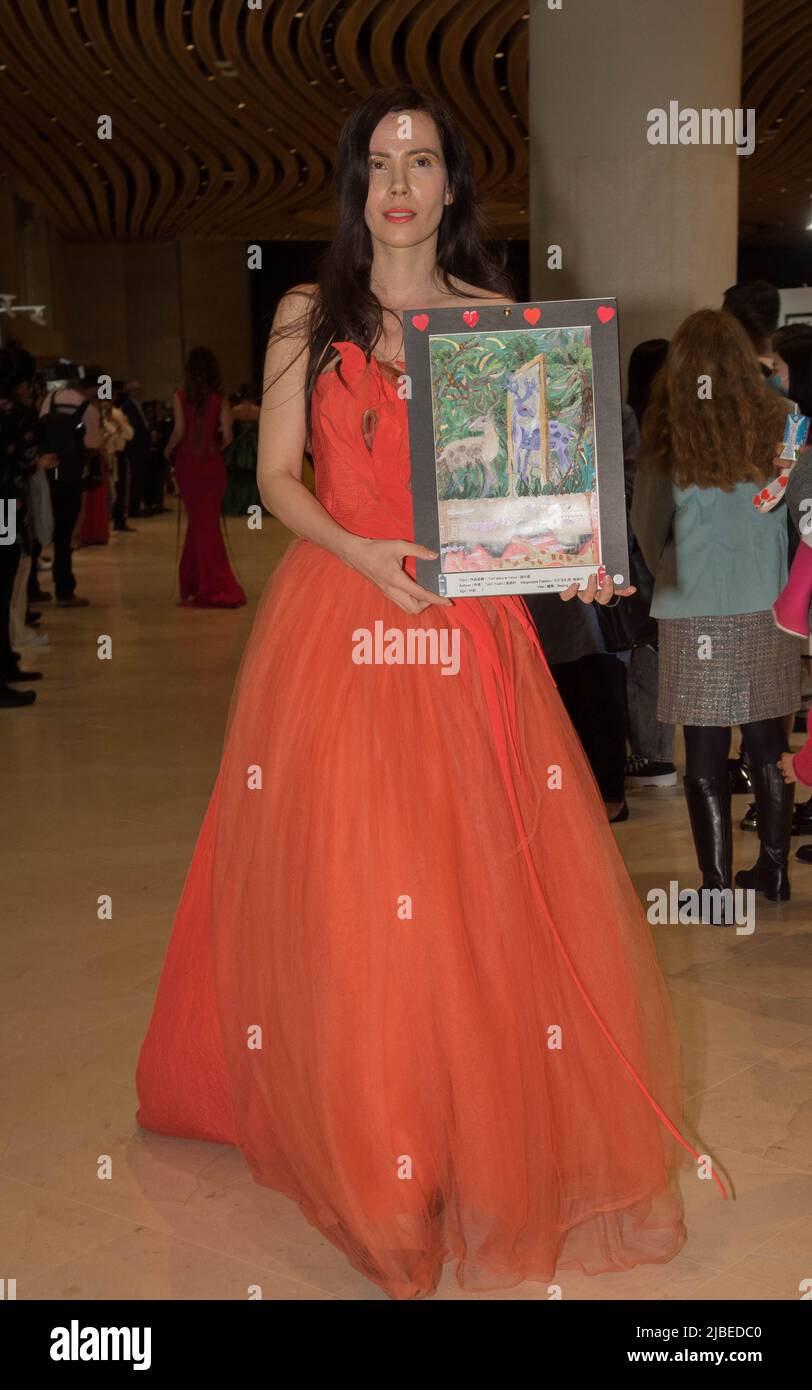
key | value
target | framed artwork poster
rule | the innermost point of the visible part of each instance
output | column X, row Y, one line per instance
column 516, row 446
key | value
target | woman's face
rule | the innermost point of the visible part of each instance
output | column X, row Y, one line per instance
column 406, row 171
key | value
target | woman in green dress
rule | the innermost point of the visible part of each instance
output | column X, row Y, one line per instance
column 241, row 456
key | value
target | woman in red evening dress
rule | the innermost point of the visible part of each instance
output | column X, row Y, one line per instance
column 201, row 409
column 409, row 975
column 94, row 527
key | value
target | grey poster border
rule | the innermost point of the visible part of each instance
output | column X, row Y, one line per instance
column 495, row 316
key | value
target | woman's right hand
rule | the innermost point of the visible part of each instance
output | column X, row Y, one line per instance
column 382, row 563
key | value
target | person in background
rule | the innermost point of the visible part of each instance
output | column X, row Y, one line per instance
column 159, row 421
column 19, row 450
column 241, row 455
column 719, row 564
column 94, row 522
column 644, row 363
column 165, row 424
column 118, row 432
column 70, row 424
column 793, row 340
column 201, row 412
column 794, row 344
column 799, row 767
column 33, row 520
column 42, row 514
column 591, row 678
column 792, row 609
column 651, row 760
column 136, row 450
column 756, row 306
column 795, row 350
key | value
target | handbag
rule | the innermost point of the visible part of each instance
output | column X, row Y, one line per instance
column 629, row 624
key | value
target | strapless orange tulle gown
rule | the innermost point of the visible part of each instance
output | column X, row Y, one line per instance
column 409, row 975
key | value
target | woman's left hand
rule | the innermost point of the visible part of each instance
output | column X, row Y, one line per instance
column 787, row 768
column 593, row 594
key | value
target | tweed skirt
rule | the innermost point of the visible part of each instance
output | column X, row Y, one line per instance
column 726, row 671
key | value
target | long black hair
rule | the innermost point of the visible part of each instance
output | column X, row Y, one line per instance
column 201, row 376
column 344, row 306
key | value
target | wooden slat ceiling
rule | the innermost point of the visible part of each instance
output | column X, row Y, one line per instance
column 225, row 118
column 776, row 180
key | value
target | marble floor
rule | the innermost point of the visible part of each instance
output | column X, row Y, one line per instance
column 106, row 779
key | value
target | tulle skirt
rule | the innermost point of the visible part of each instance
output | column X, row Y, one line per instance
column 409, row 975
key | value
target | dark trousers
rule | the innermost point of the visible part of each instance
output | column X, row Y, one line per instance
column 121, row 503
column 593, row 690
column 9, row 561
column 136, row 464
column 154, row 474
column 707, row 747
column 66, row 500
column 33, row 574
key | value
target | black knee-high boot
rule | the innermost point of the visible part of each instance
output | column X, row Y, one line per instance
column 774, row 801
column 708, row 801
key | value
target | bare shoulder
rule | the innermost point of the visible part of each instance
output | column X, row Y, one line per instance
column 309, row 291
column 295, row 304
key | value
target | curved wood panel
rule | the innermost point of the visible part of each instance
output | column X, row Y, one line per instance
column 776, row 180
column 225, row 118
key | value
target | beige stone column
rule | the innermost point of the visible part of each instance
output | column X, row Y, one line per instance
column 654, row 224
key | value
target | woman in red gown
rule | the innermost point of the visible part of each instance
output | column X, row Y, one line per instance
column 94, row 528
column 201, row 409
column 409, row 975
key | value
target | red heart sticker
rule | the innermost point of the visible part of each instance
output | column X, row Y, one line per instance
column 420, row 321
column 765, row 494
column 471, row 316
column 605, row 313
column 532, row 315
column 784, row 479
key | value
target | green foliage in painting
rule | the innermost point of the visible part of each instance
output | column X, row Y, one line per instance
column 470, row 377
